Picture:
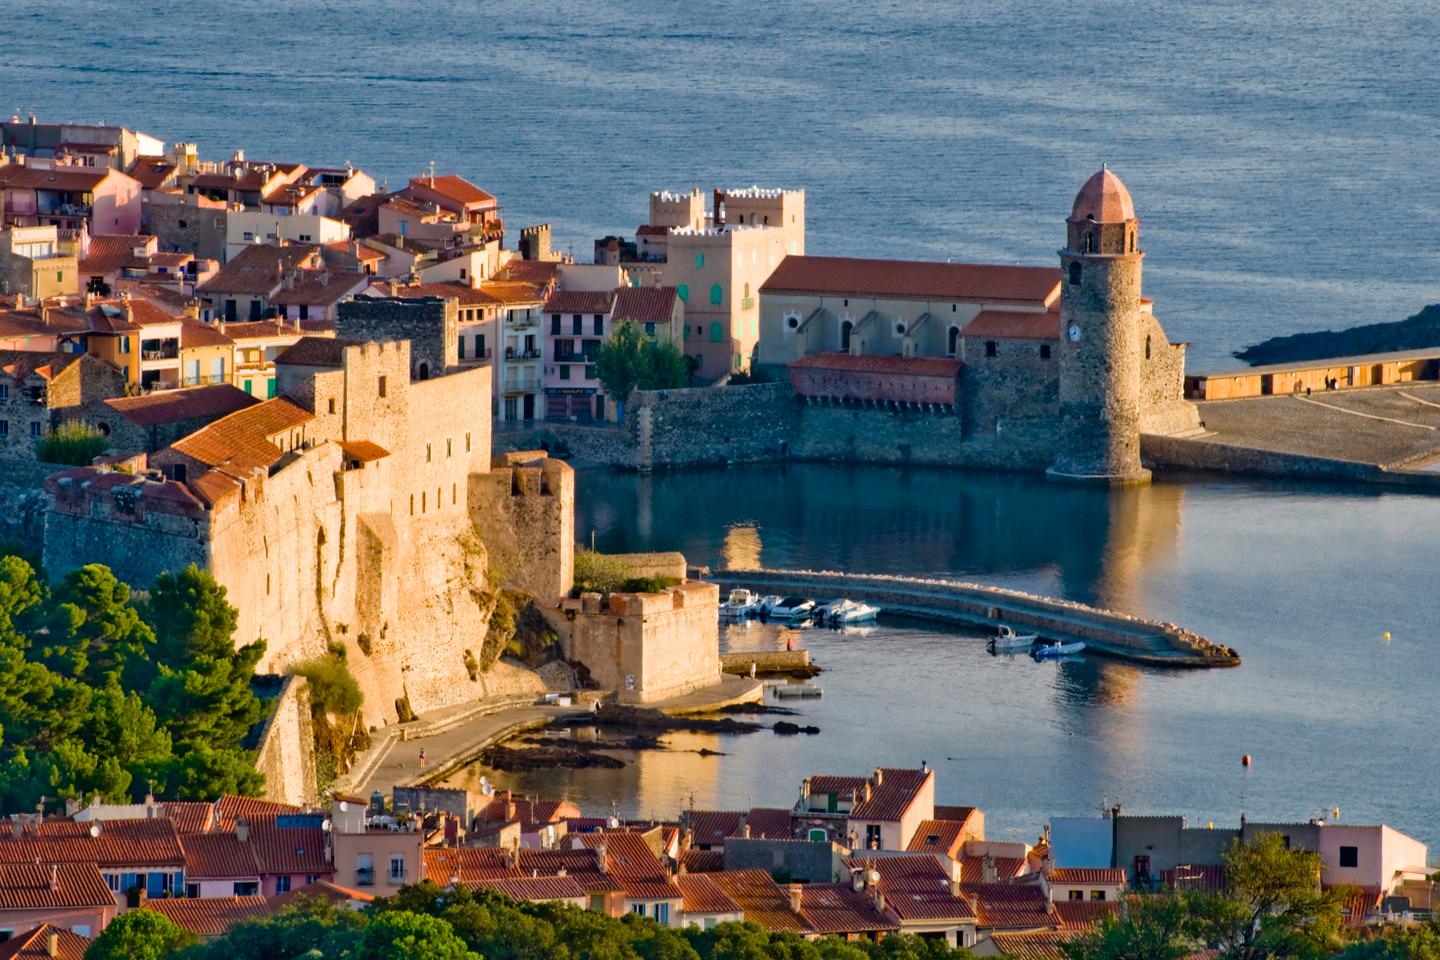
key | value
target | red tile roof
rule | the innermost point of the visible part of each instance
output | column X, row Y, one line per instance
column 703, row 895
column 703, row 861
column 1209, row 877
column 289, row 849
column 972, row 869
column 242, row 439
column 120, row 843
column 938, row 836
column 174, row 406
column 364, row 450
column 761, row 898
column 916, row 887
column 1012, row 906
column 580, row 301
column 111, row 252
column 462, row 292
column 1084, row 914
column 770, row 823
column 645, row 304
column 455, row 188
column 838, row 786
column 35, row 945
column 1031, row 946
column 651, row 230
column 913, row 279
column 324, row 890
column 210, row 916
column 321, row 288
column 74, row 179
column 505, row 292
column 834, row 908
column 151, row 172
column 260, row 330
column 20, row 364
column 525, row 809
column 218, row 856
column 259, row 269
column 535, row 889
column 47, row 885
column 866, row 363
column 1014, row 325
column 190, row 816
column 711, row 827
column 899, row 787
column 195, row 334
column 530, row 271
column 315, row 351
column 1098, row 876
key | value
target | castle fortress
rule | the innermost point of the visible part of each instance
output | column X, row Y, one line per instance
column 359, row 506
column 1019, row 366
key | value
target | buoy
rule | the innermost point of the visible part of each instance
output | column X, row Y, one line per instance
column 1387, row 636
column 1245, row 760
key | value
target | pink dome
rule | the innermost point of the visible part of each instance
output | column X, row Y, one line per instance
column 1103, row 199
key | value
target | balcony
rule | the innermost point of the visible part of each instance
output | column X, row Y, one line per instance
column 747, row 303
column 397, row 877
column 160, row 349
column 365, row 876
column 520, row 385
column 512, row 354
column 204, row 381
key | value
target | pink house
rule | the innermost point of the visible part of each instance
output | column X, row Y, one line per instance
column 1374, row 858
column 38, row 193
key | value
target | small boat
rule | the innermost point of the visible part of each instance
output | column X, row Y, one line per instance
column 791, row 608
column 740, row 604
column 1008, row 639
column 840, row 612
column 1054, row 650
column 767, row 603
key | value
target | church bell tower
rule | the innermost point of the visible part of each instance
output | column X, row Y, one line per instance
column 1100, row 339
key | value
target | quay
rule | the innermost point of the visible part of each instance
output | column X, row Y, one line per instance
column 1106, row 632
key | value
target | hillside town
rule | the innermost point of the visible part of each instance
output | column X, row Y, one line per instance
column 339, row 410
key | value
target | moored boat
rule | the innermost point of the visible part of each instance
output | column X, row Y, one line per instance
column 740, row 604
column 840, row 612
column 1054, row 650
column 791, row 608
column 1007, row 639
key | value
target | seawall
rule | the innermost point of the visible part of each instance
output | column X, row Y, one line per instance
column 954, row 601
column 1188, row 453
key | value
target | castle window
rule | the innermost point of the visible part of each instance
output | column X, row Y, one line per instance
column 699, row 259
column 1147, row 346
column 330, row 405
column 422, row 501
column 467, row 441
column 991, row 348
column 427, row 453
column 1074, row 274
column 424, row 371
column 449, row 447
column 717, row 293
column 952, row 341
column 845, row 329
column 1044, row 351
column 382, row 385
column 453, row 499
column 412, row 504
column 682, row 291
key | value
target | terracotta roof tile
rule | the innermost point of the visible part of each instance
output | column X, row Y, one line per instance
column 151, row 172
column 525, row 809
column 1012, row 906
column 260, row 330
column 78, row 179
column 1099, row 876
column 190, row 816
column 35, row 945
column 174, row 406
column 535, row 889
column 703, row 895
column 531, row 271
column 506, row 292
column 194, row 334
column 259, row 269
column 899, row 787
column 913, row 279
column 944, row 812
column 289, row 849
column 761, row 898
column 242, row 439
column 1084, row 914
column 215, row 856
column 454, row 188
column 121, row 843
column 834, row 908
column 1014, row 325
column 703, row 861
column 711, row 827
column 111, row 252
column 838, row 786
column 580, row 301
column 324, row 890
column 47, row 885
column 770, row 823
column 321, row 288
column 645, row 304
column 972, row 869
column 1031, row 946
column 1209, row 877
column 462, row 292
column 866, row 363
column 20, row 364
column 364, row 450
column 210, row 916
column 315, row 352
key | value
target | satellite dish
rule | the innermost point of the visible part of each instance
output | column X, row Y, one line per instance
column 94, row 829
column 344, row 807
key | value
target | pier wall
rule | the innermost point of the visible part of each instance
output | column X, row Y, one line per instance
column 1104, row 631
column 1185, row 453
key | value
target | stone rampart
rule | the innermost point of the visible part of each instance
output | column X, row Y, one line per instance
column 523, row 511
column 701, row 425
column 1188, row 453
column 286, row 752
column 1104, row 631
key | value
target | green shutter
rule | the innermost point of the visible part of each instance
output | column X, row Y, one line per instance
column 716, row 294
column 683, row 292
column 717, row 332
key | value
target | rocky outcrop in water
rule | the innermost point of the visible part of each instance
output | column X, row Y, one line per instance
column 1419, row 332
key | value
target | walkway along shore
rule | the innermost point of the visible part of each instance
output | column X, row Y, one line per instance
column 1104, row 632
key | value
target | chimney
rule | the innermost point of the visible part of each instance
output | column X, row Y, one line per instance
column 242, row 830
column 52, row 944
column 805, row 789
column 797, row 894
column 745, row 831
column 17, row 828
column 54, row 876
column 867, row 791
column 879, row 776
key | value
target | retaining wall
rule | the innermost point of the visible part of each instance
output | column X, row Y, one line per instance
column 286, row 754
column 766, row 661
column 1194, row 454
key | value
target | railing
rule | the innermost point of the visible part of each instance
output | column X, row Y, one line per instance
column 204, row 381
column 365, row 877
column 397, row 877
column 166, row 353
column 520, row 385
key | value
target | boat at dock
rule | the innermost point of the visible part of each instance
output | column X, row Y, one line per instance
column 804, row 691
column 1054, row 650
column 740, row 604
column 839, row 612
column 1007, row 639
column 791, row 608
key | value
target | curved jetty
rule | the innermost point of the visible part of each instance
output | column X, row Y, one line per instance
column 956, row 601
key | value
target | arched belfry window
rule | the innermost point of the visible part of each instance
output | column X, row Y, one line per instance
column 953, row 342
column 845, row 328
column 1075, row 274
column 1089, row 243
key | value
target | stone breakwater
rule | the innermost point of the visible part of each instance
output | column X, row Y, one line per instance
column 1106, row 632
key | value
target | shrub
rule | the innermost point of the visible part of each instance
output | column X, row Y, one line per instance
column 599, row 572
column 74, row 443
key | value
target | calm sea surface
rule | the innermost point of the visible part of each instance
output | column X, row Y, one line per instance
column 1282, row 156
column 1303, row 581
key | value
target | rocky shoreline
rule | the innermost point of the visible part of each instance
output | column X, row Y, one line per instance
column 1420, row 331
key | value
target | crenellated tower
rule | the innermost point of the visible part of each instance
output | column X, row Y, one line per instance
column 1101, row 335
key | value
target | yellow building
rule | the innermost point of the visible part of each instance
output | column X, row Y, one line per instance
column 256, row 345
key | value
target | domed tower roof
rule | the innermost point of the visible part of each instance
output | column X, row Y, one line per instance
column 1103, row 199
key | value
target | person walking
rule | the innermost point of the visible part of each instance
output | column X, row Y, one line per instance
column 422, row 756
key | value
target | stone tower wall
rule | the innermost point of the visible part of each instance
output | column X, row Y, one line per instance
column 432, row 326
column 1100, row 375
column 523, row 510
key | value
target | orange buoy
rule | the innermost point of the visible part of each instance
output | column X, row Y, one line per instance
column 1245, row 760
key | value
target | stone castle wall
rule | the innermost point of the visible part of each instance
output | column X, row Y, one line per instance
column 286, row 753
column 138, row 545
column 523, row 511
column 1163, row 408
column 1017, row 383
column 713, row 424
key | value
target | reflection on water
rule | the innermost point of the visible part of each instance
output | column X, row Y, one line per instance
column 1303, row 580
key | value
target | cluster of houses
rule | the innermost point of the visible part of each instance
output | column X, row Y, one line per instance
column 859, row 857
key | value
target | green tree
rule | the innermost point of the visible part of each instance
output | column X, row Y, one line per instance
column 139, row 935
column 665, row 367
column 402, row 935
column 95, row 632
column 73, row 442
column 200, row 771
column 1152, row 928
column 310, row 927
column 20, row 595
column 1404, row 943
column 1272, row 907
column 620, row 363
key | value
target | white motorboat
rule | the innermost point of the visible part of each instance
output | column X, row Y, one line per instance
column 840, row 612
column 791, row 608
column 1007, row 639
column 1054, row 650
column 740, row 604
column 768, row 603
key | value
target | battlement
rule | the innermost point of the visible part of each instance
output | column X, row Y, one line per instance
column 762, row 193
